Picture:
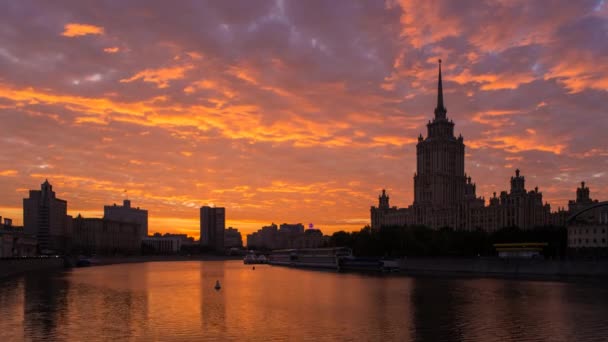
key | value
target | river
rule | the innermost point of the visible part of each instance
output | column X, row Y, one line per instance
column 176, row 301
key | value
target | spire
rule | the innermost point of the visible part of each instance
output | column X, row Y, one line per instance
column 440, row 110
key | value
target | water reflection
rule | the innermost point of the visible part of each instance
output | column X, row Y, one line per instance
column 436, row 304
column 212, row 301
column 177, row 301
column 45, row 298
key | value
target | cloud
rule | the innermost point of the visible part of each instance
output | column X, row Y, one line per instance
column 311, row 107
column 6, row 173
column 113, row 49
column 77, row 30
column 160, row 76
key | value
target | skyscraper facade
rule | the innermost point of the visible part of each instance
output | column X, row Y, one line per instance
column 444, row 196
column 213, row 223
column 45, row 216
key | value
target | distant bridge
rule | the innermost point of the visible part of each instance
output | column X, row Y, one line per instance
column 584, row 210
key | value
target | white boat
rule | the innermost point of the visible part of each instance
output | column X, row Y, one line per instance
column 251, row 258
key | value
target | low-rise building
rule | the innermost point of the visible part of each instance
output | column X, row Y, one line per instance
column 106, row 237
column 162, row 244
column 588, row 236
column 232, row 238
column 588, row 230
column 14, row 242
column 270, row 237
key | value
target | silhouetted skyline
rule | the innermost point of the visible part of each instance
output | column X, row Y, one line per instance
column 307, row 109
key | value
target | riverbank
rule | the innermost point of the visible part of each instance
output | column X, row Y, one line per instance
column 111, row 260
column 505, row 268
column 15, row 266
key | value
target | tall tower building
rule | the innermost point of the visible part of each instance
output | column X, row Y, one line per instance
column 440, row 180
column 213, row 223
column 125, row 213
column 45, row 216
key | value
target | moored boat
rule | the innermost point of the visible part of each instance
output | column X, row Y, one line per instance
column 310, row 257
column 251, row 258
column 368, row 264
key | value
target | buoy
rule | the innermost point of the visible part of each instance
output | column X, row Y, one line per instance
column 217, row 285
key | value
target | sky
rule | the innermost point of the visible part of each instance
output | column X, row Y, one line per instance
column 293, row 111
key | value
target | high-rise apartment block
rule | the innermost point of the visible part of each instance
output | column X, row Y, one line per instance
column 45, row 216
column 213, row 223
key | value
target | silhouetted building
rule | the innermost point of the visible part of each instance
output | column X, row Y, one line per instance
column 270, row 237
column 213, row 223
column 291, row 228
column 105, row 237
column 589, row 230
column 232, row 238
column 125, row 213
column 264, row 238
column 444, row 196
column 14, row 242
column 45, row 216
column 162, row 244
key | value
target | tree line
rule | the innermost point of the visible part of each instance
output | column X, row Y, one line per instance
column 409, row 241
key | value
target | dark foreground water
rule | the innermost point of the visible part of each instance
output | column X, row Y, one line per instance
column 173, row 301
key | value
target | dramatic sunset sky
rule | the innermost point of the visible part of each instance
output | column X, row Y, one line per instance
column 293, row 111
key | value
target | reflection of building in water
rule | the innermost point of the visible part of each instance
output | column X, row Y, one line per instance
column 289, row 236
column 111, row 300
column 436, row 309
column 213, row 302
column 45, row 216
column 45, row 305
column 444, row 196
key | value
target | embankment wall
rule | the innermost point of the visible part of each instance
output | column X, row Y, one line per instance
column 14, row 266
column 506, row 267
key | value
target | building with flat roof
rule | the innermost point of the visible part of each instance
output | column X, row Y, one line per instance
column 232, row 238
column 269, row 237
column 291, row 228
column 126, row 213
column 162, row 244
column 213, row 223
column 105, row 237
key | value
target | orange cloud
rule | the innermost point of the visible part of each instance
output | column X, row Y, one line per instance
column 515, row 144
column 578, row 73
column 77, row 30
column 161, row 76
column 8, row 173
column 111, row 49
column 494, row 81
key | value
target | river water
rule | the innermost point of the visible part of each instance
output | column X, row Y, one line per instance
column 176, row 301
